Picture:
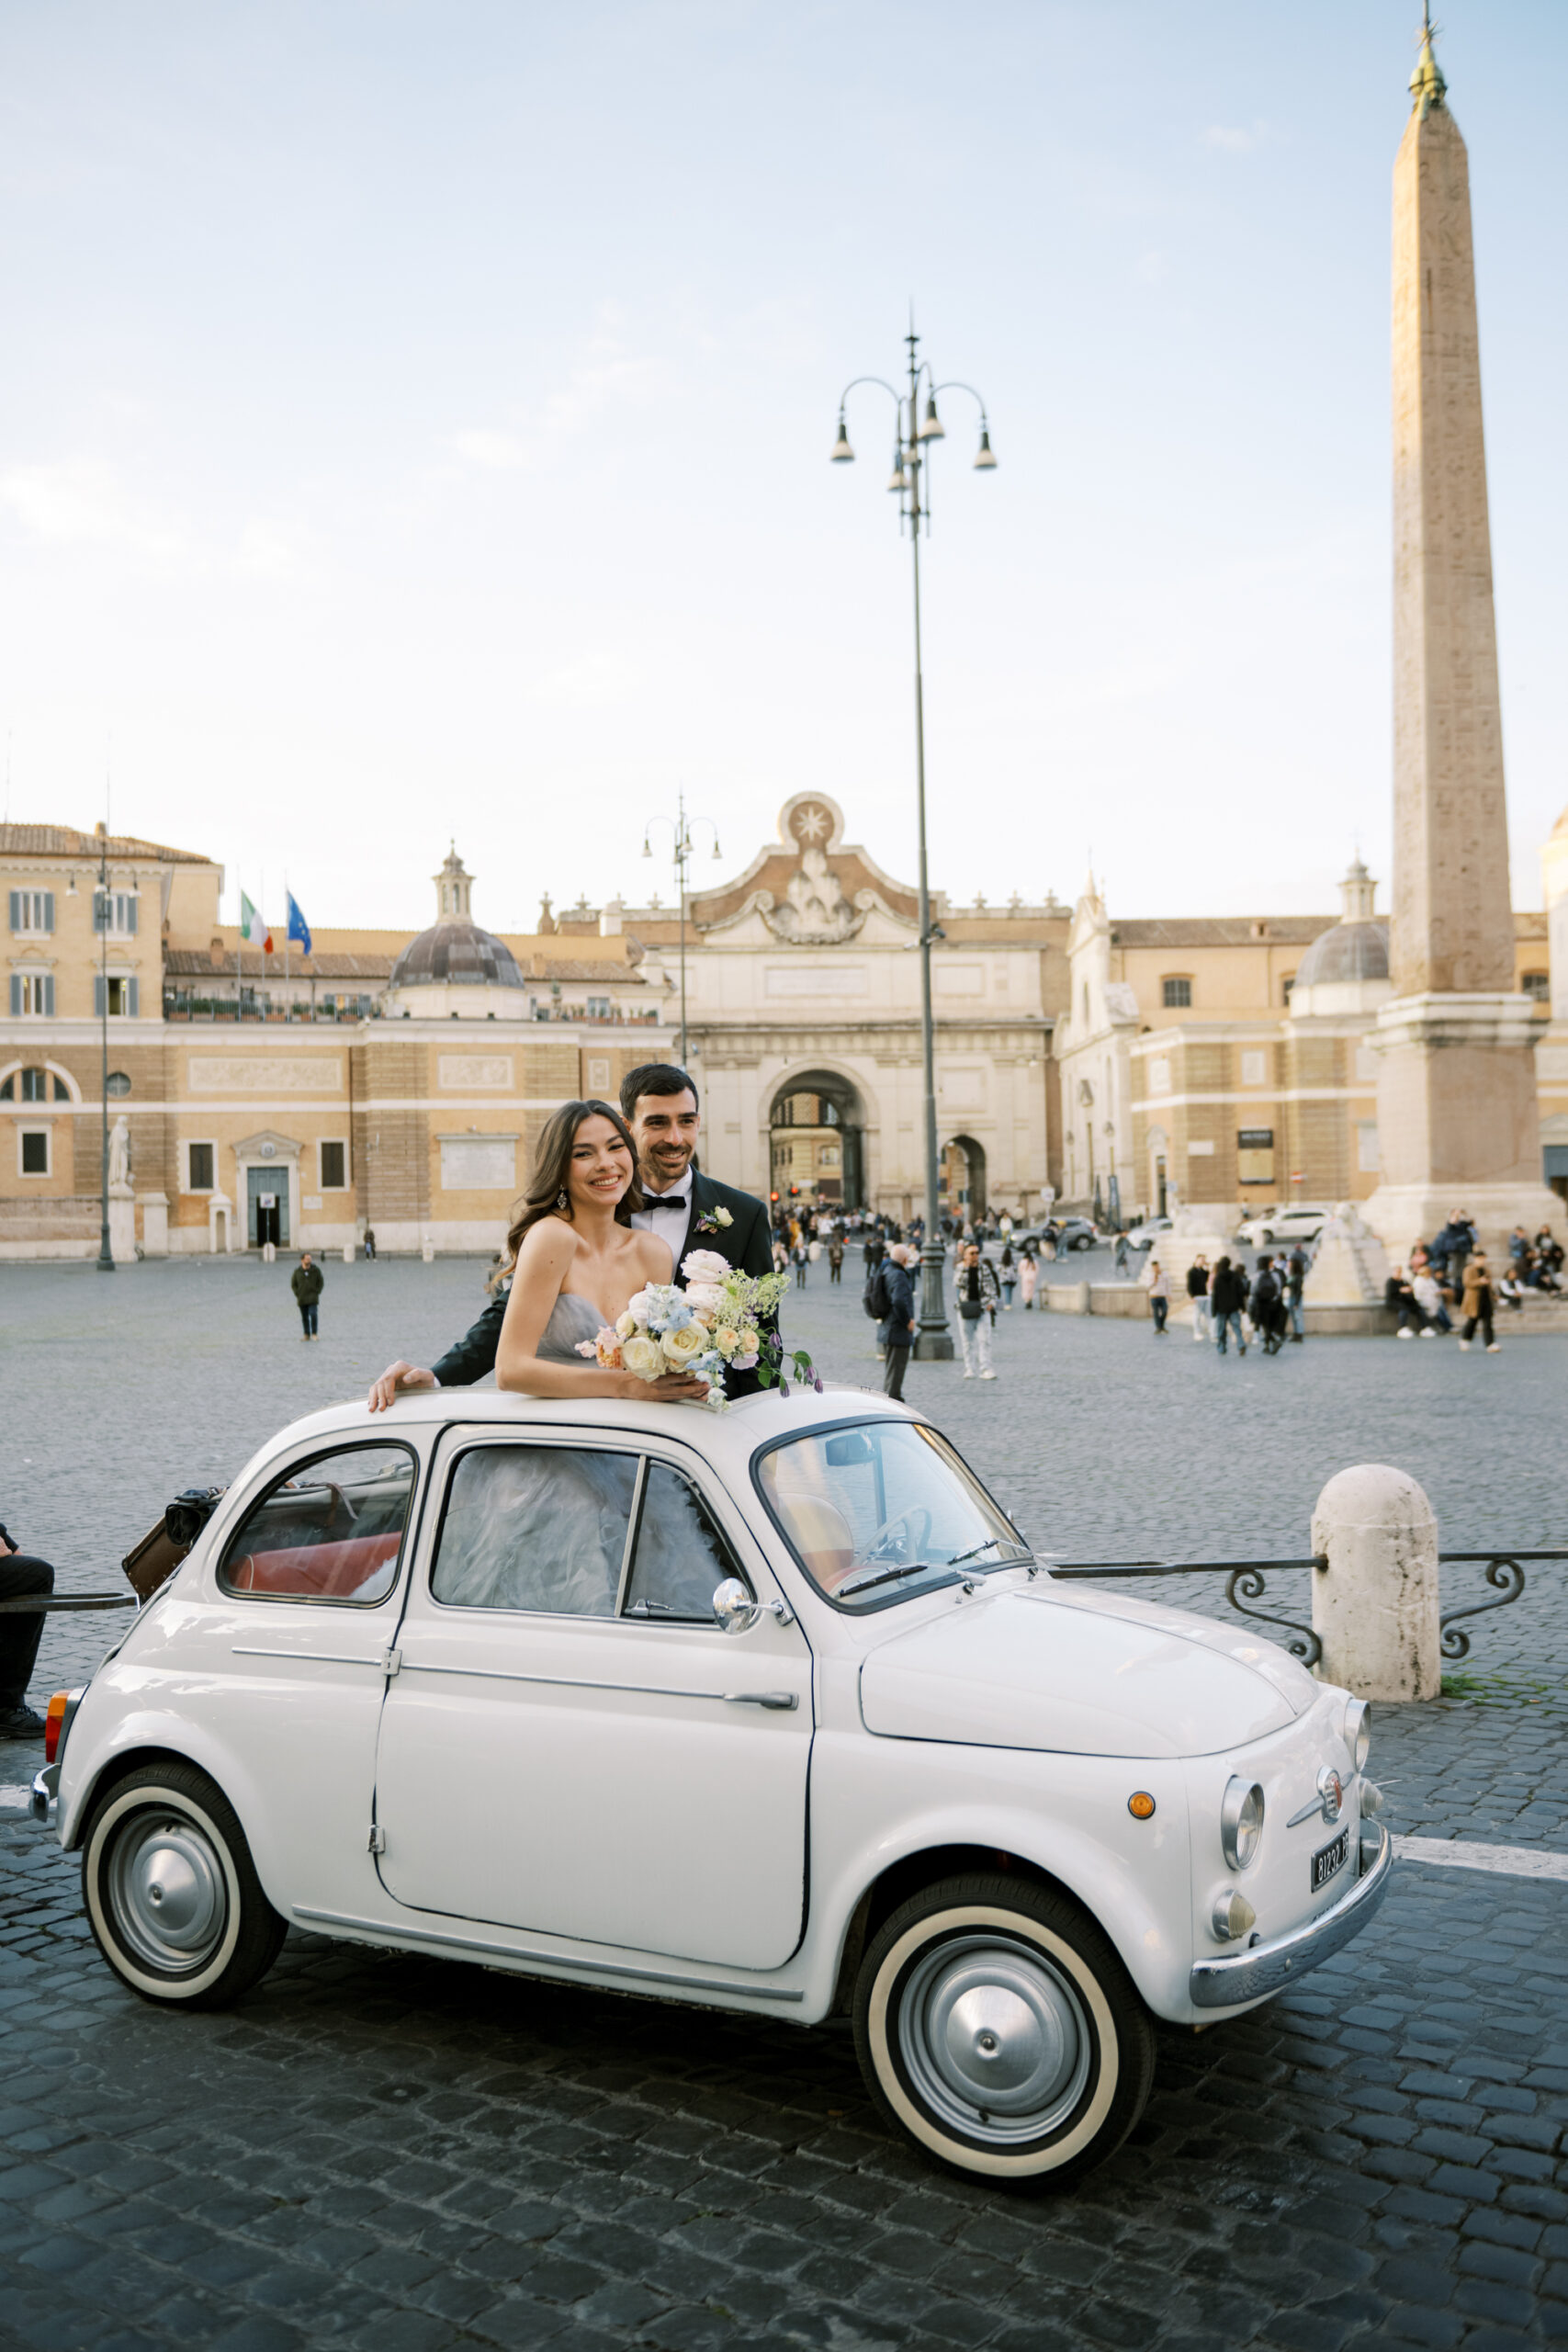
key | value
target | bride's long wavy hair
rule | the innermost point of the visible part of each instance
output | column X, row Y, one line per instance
column 552, row 1165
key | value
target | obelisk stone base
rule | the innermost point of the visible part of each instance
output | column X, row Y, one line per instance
column 1458, row 1126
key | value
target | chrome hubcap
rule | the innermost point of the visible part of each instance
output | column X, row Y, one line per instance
column 994, row 2038
column 167, row 1893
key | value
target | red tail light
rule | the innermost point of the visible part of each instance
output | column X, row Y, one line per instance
column 52, row 1721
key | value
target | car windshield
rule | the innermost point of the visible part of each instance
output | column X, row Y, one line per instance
column 882, row 1511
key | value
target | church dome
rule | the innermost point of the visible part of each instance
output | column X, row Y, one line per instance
column 1345, row 971
column 1350, row 951
column 457, row 952
column 454, row 952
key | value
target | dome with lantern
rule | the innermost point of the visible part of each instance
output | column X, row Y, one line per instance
column 1345, row 968
column 456, row 969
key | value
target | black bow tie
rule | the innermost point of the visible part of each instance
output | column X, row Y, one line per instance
column 669, row 1200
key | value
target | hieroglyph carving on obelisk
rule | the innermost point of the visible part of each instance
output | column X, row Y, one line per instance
column 1457, row 1121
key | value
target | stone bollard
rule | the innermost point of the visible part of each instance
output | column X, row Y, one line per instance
column 348, row 1253
column 1374, row 1608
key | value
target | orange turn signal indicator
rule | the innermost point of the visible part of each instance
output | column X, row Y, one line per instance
column 1140, row 1804
column 51, row 1722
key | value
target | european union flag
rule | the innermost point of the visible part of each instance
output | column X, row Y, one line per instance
column 298, row 927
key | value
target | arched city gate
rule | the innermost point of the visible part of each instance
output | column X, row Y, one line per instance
column 960, row 1176
column 816, row 1141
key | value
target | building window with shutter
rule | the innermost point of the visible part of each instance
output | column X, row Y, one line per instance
column 1175, row 993
column 32, row 993
column 199, row 1159
column 115, row 911
column 33, row 1151
column 334, row 1167
column 122, row 995
column 32, row 913
column 1538, row 986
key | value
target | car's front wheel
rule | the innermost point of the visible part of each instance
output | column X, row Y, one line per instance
column 172, row 1893
column 997, row 2027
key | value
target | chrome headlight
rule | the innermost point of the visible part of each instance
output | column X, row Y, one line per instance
column 1241, row 1821
column 1356, row 1728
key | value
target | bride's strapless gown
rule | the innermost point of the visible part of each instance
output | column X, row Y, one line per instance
column 571, row 1319
column 544, row 1527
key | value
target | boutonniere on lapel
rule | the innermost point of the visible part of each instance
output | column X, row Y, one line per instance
column 717, row 1220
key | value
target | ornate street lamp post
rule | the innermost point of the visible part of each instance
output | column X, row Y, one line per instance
column 680, row 828
column 934, row 1339
column 105, row 1254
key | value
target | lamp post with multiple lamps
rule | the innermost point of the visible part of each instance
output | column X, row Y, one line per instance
column 912, row 433
column 680, row 828
column 101, row 914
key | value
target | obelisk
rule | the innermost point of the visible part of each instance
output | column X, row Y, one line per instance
column 1457, row 1121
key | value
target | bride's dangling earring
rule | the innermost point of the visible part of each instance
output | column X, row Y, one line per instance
column 561, row 1201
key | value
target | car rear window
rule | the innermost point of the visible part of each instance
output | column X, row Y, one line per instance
column 328, row 1529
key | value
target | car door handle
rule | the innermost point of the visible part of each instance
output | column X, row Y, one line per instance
column 783, row 1700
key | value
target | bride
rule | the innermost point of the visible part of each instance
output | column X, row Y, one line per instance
column 577, row 1263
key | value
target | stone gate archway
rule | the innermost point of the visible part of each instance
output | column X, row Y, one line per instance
column 816, row 1141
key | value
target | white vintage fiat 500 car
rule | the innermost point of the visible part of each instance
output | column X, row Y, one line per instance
column 772, row 1711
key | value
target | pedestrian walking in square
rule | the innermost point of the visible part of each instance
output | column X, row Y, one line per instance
column 977, row 1291
column 1295, row 1284
column 1228, row 1296
column 369, row 1243
column 1028, row 1276
column 22, row 1577
column 1477, row 1304
column 307, row 1282
column 799, row 1254
column 1265, row 1308
column 1009, row 1275
column 836, row 1256
column 1198, row 1292
column 1155, row 1282
column 897, row 1329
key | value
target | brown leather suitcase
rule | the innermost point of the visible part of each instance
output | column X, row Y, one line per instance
column 148, row 1564
column 151, row 1562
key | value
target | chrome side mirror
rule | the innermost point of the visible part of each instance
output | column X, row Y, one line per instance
column 736, row 1612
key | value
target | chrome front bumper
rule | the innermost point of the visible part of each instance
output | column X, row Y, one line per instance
column 1251, row 1975
column 44, row 1803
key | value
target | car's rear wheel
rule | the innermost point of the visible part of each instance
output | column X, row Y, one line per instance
column 997, row 2027
column 172, row 1893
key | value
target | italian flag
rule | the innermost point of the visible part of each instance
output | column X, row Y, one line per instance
column 252, row 928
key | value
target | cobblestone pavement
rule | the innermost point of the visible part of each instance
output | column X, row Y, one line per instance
column 399, row 2154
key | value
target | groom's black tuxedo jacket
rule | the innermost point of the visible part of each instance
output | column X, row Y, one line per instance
column 744, row 1241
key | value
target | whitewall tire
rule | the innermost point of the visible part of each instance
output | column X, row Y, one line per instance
column 996, row 2028
column 172, row 1894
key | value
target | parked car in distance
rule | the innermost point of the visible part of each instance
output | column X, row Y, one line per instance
column 1066, row 1232
column 771, row 1711
column 1293, row 1222
column 1143, row 1237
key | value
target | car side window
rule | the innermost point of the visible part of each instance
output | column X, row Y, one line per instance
column 329, row 1530
column 680, row 1557
column 537, row 1527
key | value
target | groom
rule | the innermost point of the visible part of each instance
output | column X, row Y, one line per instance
column 684, row 1207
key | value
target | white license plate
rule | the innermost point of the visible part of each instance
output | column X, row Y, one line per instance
column 1330, row 1860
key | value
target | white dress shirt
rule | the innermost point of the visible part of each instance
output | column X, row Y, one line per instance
column 667, row 1215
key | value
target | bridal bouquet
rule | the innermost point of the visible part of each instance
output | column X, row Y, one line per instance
column 712, row 1326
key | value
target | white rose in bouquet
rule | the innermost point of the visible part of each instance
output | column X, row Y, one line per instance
column 725, row 1340
column 626, row 1327
column 703, row 1266
column 644, row 1356
column 683, row 1347
column 704, row 1298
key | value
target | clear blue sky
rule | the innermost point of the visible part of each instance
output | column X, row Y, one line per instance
column 414, row 419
